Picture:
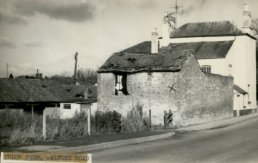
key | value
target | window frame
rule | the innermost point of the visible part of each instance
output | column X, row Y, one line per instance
column 121, row 83
column 206, row 69
column 67, row 106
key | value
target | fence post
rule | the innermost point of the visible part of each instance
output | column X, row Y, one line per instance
column 32, row 111
column 88, row 119
column 149, row 118
column 165, row 119
column 44, row 132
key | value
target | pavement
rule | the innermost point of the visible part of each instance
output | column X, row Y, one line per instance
column 217, row 124
column 99, row 146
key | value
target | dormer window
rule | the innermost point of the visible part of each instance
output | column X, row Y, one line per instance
column 121, row 84
column 206, row 69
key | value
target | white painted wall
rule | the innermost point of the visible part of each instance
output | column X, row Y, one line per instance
column 218, row 66
column 62, row 113
column 243, row 58
column 240, row 63
column 69, row 113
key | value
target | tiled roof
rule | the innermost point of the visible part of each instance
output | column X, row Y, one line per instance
column 137, row 62
column 31, row 91
column 77, row 92
column 87, row 101
column 220, row 28
column 92, row 91
column 204, row 50
column 143, row 47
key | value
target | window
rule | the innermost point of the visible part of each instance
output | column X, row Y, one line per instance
column 67, row 106
column 206, row 69
column 121, row 84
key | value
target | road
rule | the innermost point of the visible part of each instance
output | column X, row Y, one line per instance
column 235, row 143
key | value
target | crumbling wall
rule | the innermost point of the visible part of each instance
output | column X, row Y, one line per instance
column 193, row 96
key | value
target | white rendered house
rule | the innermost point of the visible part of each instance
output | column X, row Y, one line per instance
column 221, row 48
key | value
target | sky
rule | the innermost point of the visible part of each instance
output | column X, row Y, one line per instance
column 45, row 34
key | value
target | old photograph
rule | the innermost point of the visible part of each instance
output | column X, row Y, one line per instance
column 128, row 81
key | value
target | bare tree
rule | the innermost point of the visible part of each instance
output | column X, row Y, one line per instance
column 87, row 76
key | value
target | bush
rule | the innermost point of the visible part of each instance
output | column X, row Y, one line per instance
column 134, row 120
column 19, row 129
column 106, row 122
column 67, row 128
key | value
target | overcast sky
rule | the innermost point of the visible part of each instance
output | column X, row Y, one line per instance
column 45, row 34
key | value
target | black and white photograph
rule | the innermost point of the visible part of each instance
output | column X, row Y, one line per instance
column 144, row 81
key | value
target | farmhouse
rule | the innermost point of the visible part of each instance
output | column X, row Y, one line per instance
column 221, row 48
column 200, row 71
column 167, row 80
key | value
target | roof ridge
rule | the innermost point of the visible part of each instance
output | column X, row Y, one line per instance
column 219, row 21
column 212, row 28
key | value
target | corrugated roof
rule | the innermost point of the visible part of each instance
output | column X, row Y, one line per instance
column 31, row 90
column 204, row 50
column 138, row 62
column 219, row 28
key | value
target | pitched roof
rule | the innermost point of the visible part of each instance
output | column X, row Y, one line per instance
column 31, row 91
column 92, row 91
column 77, row 92
column 139, row 62
column 204, row 50
column 143, row 47
column 219, row 28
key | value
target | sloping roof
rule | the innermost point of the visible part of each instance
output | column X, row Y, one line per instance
column 219, row 28
column 204, row 50
column 92, row 91
column 238, row 89
column 87, row 101
column 77, row 92
column 31, row 91
column 138, row 62
column 143, row 47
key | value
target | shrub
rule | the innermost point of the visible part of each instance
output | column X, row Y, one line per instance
column 19, row 129
column 134, row 120
column 67, row 128
column 106, row 122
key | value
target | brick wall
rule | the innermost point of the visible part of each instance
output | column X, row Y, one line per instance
column 197, row 97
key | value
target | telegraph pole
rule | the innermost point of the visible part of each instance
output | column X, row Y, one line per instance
column 7, row 73
column 75, row 67
column 176, row 7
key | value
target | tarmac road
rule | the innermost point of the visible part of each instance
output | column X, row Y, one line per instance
column 235, row 143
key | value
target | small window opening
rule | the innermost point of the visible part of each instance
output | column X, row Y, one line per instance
column 67, row 106
column 121, row 84
column 206, row 69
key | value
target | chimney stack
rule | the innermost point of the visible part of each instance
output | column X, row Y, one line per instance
column 154, row 42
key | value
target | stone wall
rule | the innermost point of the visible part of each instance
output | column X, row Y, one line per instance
column 197, row 97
